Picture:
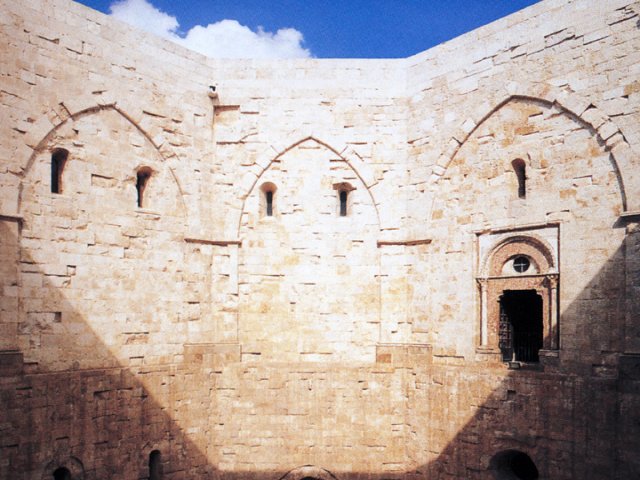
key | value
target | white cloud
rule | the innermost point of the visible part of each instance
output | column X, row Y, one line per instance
column 229, row 39
column 223, row 39
column 145, row 16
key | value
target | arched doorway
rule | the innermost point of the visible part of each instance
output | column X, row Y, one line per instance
column 309, row 472
column 513, row 465
column 62, row 473
column 518, row 288
column 63, row 468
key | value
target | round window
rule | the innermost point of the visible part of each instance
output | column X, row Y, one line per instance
column 521, row 264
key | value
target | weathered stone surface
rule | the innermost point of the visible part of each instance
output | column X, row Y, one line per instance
column 303, row 343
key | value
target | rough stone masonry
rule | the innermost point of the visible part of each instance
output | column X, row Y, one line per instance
column 424, row 268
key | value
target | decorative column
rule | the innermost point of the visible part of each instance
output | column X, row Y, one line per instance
column 484, row 333
column 552, row 282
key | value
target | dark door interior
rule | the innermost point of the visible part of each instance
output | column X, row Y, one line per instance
column 520, row 325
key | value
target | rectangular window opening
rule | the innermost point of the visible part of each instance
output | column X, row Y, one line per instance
column 269, row 198
column 343, row 203
column 58, row 160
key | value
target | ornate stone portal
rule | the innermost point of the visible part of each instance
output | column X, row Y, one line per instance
column 520, row 262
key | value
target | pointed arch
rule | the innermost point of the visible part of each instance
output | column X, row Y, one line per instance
column 280, row 262
column 271, row 155
column 67, row 116
column 583, row 112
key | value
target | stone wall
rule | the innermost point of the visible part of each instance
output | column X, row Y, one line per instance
column 302, row 343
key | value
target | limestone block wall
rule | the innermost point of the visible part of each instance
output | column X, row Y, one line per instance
column 563, row 423
column 571, row 181
column 150, row 107
column 402, row 419
column 307, row 344
column 545, row 86
column 163, row 89
column 101, row 423
column 309, row 275
column 89, row 253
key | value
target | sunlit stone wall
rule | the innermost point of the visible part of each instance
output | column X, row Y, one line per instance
column 305, row 343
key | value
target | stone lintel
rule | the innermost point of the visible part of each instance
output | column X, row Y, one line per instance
column 632, row 215
column 4, row 217
column 408, row 243
column 517, row 228
column 221, row 243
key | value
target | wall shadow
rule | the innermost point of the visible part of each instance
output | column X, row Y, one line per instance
column 575, row 417
column 101, row 422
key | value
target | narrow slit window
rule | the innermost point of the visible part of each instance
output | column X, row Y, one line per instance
column 58, row 161
column 343, row 203
column 155, row 465
column 269, row 201
column 142, row 179
column 519, row 168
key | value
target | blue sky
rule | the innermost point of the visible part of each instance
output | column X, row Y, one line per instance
column 297, row 28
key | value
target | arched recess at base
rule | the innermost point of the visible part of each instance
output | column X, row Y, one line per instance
column 513, row 465
column 309, row 471
column 64, row 467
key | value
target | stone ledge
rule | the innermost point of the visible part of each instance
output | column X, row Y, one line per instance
column 406, row 243
column 5, row 217
column 630, row 215
column 221, row 243
column 516, row 228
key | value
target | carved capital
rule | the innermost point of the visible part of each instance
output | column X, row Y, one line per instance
column 552, row 280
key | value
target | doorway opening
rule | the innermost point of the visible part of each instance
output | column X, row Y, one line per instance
column 520, row 325
column 155, row 465
column 62, row 473
column 513, row 465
